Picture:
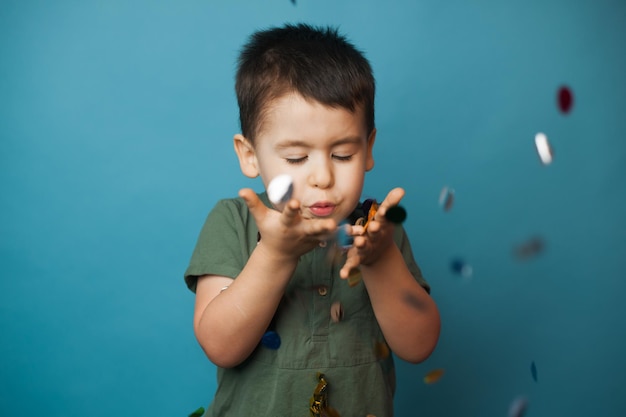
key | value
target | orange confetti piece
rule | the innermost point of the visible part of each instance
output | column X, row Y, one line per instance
column 433, row 376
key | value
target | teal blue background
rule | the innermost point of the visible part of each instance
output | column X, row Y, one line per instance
column 116, row 120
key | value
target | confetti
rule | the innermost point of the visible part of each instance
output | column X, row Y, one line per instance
column 280, row 189
column 336, row 312
column 354, row 277
column 271, row 340
column 532, row 247
column 433, row 376
column 533, row 370
column 459, row 266
column 198, row 413
column 565, row 99
column 518, row 407
column 344, row 240
column 446, row 198
column 396, row 214
column 543, row 148
column 381, row 350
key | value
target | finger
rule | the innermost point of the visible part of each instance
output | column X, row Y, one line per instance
column 256, row 206
column 291, row 212
column 351, row 263
column 393, row 199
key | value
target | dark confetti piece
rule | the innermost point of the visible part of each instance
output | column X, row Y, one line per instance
column 271, row 340
column 198, row 413
column 396, row 214
column 565, row 99
column 459, row 266
column 532, row 247
column 533, row 371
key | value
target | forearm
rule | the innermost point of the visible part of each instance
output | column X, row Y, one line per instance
column 233, row 323
column 406, row 313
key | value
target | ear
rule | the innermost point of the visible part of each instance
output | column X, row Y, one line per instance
column 369, row 158
column 247, row 156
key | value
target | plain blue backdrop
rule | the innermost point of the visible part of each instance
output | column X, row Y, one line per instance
column 116, row 125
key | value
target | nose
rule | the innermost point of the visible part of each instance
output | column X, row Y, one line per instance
column 321, row 175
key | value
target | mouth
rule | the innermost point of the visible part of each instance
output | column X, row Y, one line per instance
column 322, row 209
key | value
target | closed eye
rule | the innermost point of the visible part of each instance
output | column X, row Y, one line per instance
column 296, row 161
column 342, row 157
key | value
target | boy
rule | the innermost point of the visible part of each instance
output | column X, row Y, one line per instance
column 274, row 311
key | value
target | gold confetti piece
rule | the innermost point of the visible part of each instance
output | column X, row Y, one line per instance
column 433, row 376
column 354, row 278
column 381, row 350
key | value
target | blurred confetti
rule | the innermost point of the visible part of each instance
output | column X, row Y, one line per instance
column 381, row 350
column 396, row 214
column 518, row 407
column 543, row 148
column 271, row 340
column 565, row 99
column 533, row 370
column 433, row 376
column 532, row 247
column 446, row 198
column 199, row 412
column 459, row 266
column 336, row 312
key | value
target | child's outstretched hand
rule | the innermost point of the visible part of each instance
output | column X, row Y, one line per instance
column 286, row 234
column 369, row 244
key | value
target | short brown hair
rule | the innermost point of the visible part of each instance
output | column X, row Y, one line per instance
column 318, row 63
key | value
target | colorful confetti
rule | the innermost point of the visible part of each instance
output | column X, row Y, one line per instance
column 271, row 340
column 354, row 277
column 344, row 240
column 532, row 247
column 446, row 198
column 198, row 413
column 543, row 148
column 518, row 407
column 336, row 312
column 533, row 370
column 381, row 350
column 459, row 266
column 396, row 214
column 280, row 189
column 565, row 99
column 433, row 376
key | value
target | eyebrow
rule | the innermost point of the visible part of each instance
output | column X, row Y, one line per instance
column 294, row 143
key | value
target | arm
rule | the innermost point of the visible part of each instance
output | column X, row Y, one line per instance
column 406, row 313
column 229, row 324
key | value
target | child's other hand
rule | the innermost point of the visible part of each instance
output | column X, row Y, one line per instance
column 287, row 233
column 370, row 244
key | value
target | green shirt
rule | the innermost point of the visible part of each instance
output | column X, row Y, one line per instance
column 351, row 353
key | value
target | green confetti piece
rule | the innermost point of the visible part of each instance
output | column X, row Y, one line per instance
column 198, row 413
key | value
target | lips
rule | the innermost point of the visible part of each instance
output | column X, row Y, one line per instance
column 322, row 209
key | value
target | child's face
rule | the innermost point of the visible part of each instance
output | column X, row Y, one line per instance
column 325, row 150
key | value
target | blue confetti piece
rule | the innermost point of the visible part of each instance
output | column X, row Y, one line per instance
column 459, row 266
column 533, row 370
column 343, row 239
column 271, row 340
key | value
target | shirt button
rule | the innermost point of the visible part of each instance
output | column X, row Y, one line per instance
column 322, row 290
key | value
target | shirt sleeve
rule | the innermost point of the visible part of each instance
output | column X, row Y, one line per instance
column 224, row 243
